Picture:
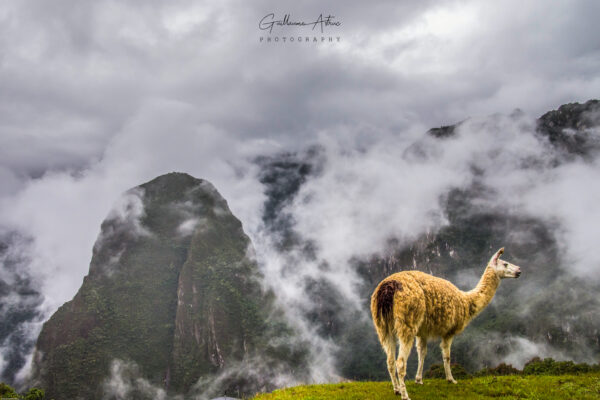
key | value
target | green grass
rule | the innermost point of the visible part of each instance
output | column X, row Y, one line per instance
column 581, row 387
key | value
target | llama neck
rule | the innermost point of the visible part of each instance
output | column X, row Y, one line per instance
column 484, row 292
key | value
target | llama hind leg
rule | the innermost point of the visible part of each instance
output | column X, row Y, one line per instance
column 390, row 350
column 445, row 345
column 421, row 352
column 405, row 345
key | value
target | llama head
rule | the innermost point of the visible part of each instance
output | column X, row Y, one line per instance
column 504, row 269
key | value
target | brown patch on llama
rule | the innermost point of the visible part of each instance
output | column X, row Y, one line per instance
column 385, row 298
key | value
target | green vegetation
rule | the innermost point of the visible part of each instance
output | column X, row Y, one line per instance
column 436, row 371
column 500, row 369
column 34, row 394
column 581, row 387
column 7, row 392
column 548, row 366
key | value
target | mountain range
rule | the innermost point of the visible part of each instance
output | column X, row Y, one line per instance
column 176, row 298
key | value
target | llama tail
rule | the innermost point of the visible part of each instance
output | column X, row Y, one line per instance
column 382, row 307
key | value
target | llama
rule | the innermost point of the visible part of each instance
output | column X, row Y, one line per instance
column 413, row 304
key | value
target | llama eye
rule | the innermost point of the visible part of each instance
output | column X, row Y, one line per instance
column 506, row 264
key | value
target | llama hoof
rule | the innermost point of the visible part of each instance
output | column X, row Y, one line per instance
column 398, row 393
column 419, row 381
column 452, row 381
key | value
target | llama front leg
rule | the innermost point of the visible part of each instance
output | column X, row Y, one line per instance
column 390, row 351
column 405, row 345
column 421, row 352
column 445, row 345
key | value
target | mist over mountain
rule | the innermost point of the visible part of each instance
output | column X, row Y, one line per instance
column 392, row 147
column 334, row 219
column 553, row 311
column 20, row 299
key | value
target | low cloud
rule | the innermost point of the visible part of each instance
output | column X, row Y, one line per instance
column 523, row 350
column 492, row 348
column 286, row 276
column 125, row 381
column 251, row 375
column 128, row 211
column 20, row 307
column 188, row 226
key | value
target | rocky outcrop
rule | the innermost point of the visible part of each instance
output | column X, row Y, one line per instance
column 172, row 288
column 571, row 127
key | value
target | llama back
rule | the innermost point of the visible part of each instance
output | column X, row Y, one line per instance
column 447, row 311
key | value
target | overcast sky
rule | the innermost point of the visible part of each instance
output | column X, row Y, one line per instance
column 75, row 74
column 100, row 96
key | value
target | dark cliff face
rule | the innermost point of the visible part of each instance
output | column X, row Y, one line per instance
column 570, row 128
column 171, row 287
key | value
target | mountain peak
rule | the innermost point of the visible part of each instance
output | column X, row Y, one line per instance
column 171, row 289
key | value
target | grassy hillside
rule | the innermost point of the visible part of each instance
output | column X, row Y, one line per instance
column 582, row 387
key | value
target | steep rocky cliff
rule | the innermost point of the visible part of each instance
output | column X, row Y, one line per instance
column 172, row 287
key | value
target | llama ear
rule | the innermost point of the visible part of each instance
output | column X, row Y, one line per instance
column 497, row 255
